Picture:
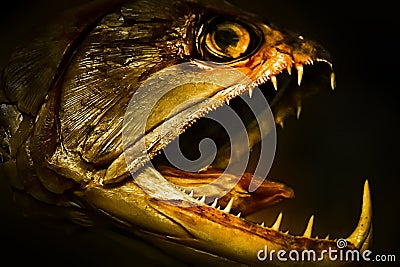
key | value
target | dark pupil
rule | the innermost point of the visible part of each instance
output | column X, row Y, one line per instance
column 225, row 38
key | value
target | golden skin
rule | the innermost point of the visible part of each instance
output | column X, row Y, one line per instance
column 59, row 146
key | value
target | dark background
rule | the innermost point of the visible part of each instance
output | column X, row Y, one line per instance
column 343, row 137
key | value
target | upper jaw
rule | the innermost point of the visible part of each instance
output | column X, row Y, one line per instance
column 277, row 54
column 283, row 52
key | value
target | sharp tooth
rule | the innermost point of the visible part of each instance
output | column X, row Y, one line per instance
column 333, row 81
column 281, row 123
column 214, row 204
column 227, row 102
column 277, row 223
column 191, row 194
column 239, row 214
column 299, row 73
column 327, row 237
column 287, row 232
column 289, row 70
column 274, row 82
column 251, row 92
column 363, row 229
column 229, row 206
column 219, row 208
column 307, row 232
column 203, row 199
column 262, row 224
column 298, row 112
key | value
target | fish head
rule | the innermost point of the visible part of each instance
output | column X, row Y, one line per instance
column 121, row 81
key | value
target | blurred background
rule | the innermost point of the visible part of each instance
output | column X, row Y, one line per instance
column 342, row 138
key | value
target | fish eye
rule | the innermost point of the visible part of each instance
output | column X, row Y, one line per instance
column 228, row 39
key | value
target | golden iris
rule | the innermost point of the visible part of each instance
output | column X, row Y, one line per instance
column 228, row 40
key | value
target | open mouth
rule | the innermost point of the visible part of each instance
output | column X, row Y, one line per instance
column 73, row 150
column 286, row 92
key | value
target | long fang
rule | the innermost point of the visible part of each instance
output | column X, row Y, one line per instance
column 229, row 206
column 277, row 223
column 307, row 232
column 299, row 73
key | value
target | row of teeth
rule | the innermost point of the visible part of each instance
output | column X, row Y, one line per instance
column 275, row 226
column 202, row 200
column 300, row 70
column 359, row 236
